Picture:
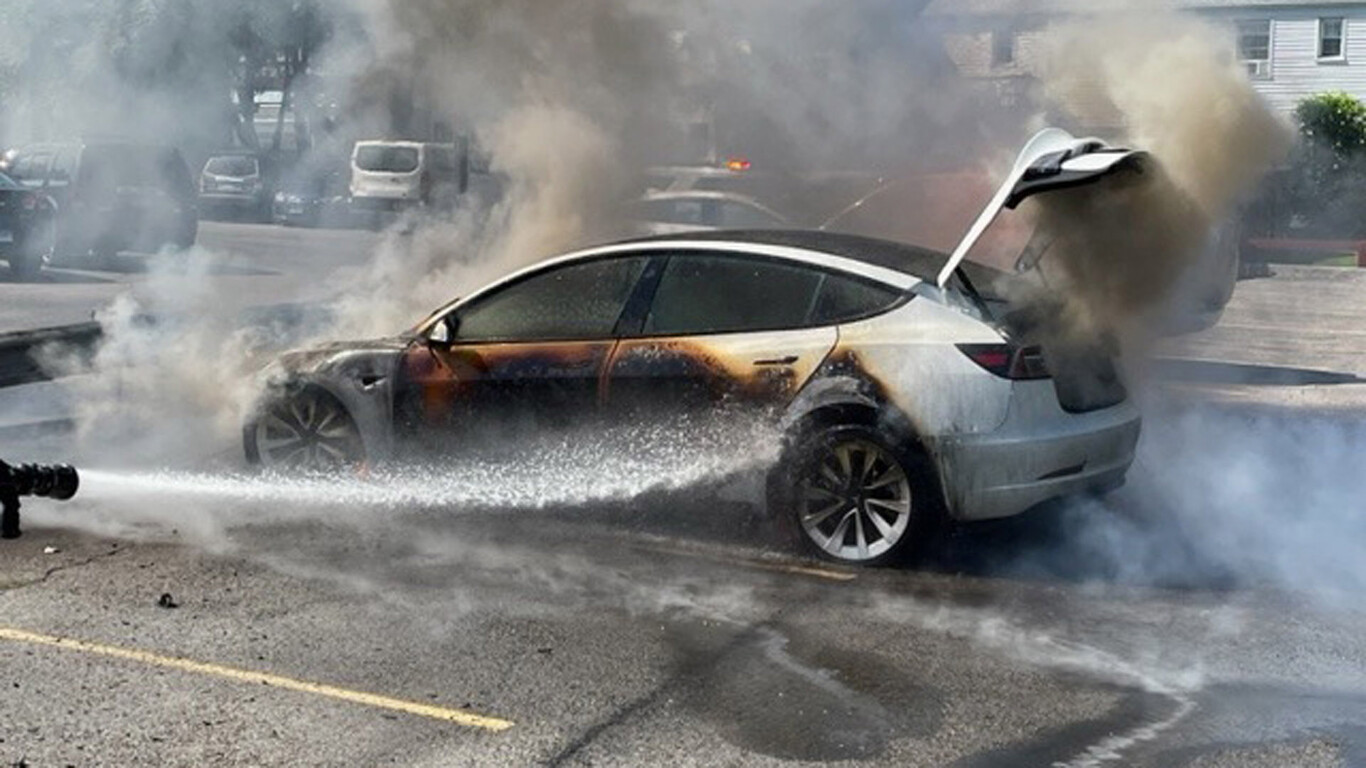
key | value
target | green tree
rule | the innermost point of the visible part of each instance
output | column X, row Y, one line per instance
column 1334, row 121
column 1327, row 182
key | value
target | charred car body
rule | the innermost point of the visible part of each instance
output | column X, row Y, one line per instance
column 904, row 396
column 903, row 400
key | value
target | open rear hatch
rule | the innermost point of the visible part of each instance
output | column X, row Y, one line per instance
column 1083, row 368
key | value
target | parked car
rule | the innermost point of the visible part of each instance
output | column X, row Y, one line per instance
column 26, row 231
column 662, row 213
column 392, row 176
column 111, row 196
column 236, row 184
column 312, row 199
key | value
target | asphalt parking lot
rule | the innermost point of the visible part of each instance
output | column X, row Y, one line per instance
column 1209, row 614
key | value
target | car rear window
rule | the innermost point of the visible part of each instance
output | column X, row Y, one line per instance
column 238, row 166
column 843, row 299
column 385, row 159
column 671, row 211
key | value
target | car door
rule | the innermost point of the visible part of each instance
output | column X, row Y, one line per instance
column 520, row 359
column 720, row 331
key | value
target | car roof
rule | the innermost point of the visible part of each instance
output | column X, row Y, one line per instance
column 403, row 143
column 895, row 264
column 699, row 194
column 83, row 143
column 699, row 170
column 899, row 257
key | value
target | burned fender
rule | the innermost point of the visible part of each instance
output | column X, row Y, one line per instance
column 828, row 392
column 857, row 397
column 361, row 376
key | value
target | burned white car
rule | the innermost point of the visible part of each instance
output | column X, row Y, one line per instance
column 904, row 396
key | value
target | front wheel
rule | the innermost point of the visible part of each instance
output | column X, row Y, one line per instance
column 856, row 497
column 308, row 429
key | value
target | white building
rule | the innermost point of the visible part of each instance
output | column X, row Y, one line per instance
column 1291, row 48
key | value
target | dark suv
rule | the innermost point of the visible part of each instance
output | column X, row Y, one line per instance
column 112, row 196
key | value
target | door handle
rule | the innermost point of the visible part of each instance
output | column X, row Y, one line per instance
column 789, row 360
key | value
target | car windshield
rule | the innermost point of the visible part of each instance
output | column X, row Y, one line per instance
column 386, row 159
column 231, row 165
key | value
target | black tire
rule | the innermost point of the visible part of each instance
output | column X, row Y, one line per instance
column 303, row 429
column 23, row 266
column 850, row 494
column 31, row 253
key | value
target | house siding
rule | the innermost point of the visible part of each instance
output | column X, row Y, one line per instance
column 1296, row 71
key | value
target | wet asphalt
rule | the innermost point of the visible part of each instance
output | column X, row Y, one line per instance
column 684, row 629
column 669, row 629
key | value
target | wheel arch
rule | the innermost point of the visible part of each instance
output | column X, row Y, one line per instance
column 844, row 399
column 294, row 387
column 836, row 400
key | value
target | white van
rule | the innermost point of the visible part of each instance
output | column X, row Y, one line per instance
column 398, row 175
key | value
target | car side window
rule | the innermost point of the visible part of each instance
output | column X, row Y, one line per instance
column 843, row 299
column 574, row 302
column 728, row 294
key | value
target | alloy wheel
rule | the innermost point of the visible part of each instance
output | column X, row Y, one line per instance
column 854, row 501
column 308, row 431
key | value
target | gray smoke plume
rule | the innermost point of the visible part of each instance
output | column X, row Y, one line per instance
column 1170, row 84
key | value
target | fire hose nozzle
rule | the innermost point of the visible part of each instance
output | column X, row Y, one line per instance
column 53, row 481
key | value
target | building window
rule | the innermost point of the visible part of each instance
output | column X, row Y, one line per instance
column 1332, row 38
column 1254, row 47
column 1002, row 47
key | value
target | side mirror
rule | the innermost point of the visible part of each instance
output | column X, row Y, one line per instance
column 442, row 334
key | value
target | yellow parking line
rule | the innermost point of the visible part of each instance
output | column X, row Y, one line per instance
column 457, row 716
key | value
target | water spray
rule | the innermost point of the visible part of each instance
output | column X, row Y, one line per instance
column 54, row 481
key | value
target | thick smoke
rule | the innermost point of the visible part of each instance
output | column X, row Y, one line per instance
column 1169, row 84
column 569, row 101
column 574, row 100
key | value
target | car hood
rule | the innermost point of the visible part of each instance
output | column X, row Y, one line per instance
column 367, row 358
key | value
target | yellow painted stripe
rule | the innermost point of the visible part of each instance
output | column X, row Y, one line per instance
column 457, row 716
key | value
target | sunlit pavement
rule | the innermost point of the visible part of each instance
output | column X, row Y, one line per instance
column 250, row 264
column 1208, row 614
column 601, row 642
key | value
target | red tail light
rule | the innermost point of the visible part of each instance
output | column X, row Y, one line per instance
column 1008, row 361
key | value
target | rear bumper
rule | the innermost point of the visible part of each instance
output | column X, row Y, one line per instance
column 384, row 203
column 1031, row 460
column 229, row 200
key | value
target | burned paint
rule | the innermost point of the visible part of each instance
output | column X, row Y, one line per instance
column 754, row 370
column 499, row 389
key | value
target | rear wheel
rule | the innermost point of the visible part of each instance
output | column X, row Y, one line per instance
column 854, row 496
column 308, row 429
column 32, row 252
